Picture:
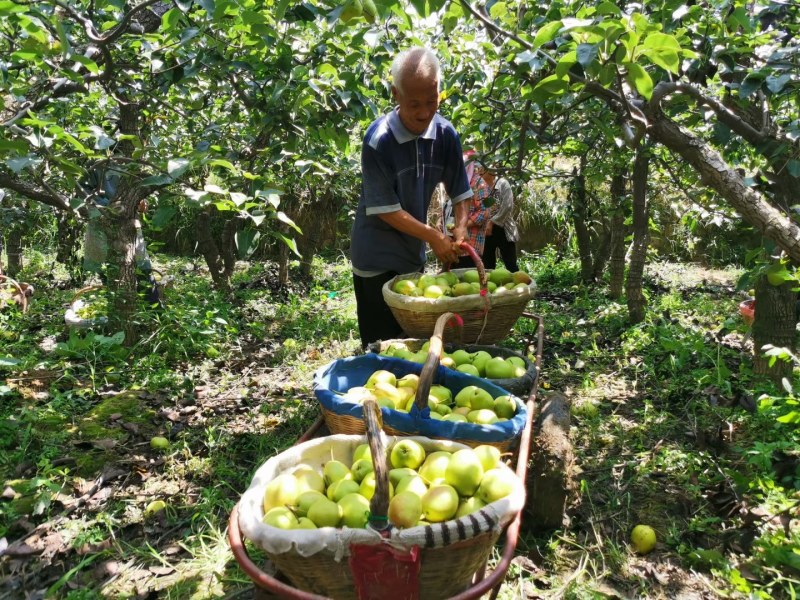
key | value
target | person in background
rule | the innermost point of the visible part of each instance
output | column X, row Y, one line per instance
column 479, row 213
column 503, row 234
column 404, row 156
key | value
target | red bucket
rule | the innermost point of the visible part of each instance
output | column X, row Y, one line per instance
column 748, row 311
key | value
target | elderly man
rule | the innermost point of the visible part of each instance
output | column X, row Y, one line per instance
column 405, row 155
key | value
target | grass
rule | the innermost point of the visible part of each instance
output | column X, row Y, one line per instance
column 685, row 438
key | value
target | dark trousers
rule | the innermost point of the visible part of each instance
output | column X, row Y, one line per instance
column 508, row 250
column 375, row 318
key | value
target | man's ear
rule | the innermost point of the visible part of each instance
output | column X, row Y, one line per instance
column 395, row 94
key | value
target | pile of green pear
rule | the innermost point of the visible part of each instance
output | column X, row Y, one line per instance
column 447, row 283
column 479, row 364
column 423, row 488
column 470, row 404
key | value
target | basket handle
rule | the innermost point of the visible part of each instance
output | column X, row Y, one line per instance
column 379, row 505
column 434, row 356
column 82, row 291
column 483, row 277
column 24, row 298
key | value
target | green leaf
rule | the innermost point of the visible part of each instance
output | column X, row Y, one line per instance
column 586, row 54
column 793, row 166
column 280, row 9
column 177, row 167
column 549, row 87
column 170, row 18
column 225, row 164
column 750, row 84
column 498, row 10
column 546, row 33
column 8, row 8
column 661, row 41
column 90, row 65
column 282, row 216
column 163, row 215
column 666, row 59
column 608, row 8
column 291, row 243
column 640, row 80
column 157, row 180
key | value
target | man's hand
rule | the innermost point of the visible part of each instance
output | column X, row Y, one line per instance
column 444, row 249
column 459, row 235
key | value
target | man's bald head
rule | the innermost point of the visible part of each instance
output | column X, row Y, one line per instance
column 416, row 63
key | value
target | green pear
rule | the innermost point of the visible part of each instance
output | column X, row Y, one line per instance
column 434, row 291
column 397, row 475
column 505, row 406
column 462, row 289
column 471, row 276
column 325, row 513
column 474, row 397
column 306, row 499
column 483, row 416
column 469, row 369
column 358, row 394
column 280, row 517
column 435, row 416
column 410, row 380
column 455, row 418
column 463, row 411
column 355, row 510
column 488, row 455
column 281, row 491
column 498, row 368
column 367, row 487
column 405, row 509
column 434, row 466
column 404, row 286
column 450, row 277
column 447, row 361
column 464, row 472
column 469, row 505
column 496, row 484
column 413, row 484
column 407, row 453
column 441, row 393
column 381, row 375
column 443, row 409
column 334, row 470
column 501, row 276
column 426, row 281
column 308, row 479
column 385, row 390
column 517, row 361
column 479, row 360
column 305, row 523
column 362, row 451
column 439, row 504
column 339, row 489
column 461, row 357
column 360, row 468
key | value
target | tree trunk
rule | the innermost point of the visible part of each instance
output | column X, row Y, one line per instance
column 579, row 219
column 617, row 260
column 220, row 264
column 283, row 264
column 775, row 322
column 641, row 237
column 119, row 225
column 603, row 250
column 68, row 243
column 14, row 250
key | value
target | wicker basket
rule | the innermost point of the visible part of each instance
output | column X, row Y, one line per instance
column 345, row 417
column 75, row 321
column 518, row 386
column 487, row 317
column 316, row 561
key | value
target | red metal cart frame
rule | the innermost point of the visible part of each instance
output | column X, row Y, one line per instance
column 483, row 583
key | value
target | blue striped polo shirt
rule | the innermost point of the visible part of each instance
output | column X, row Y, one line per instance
column 401, row 170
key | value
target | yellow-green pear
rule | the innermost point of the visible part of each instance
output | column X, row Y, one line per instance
column 488, row 455
column 439, row 504
column 479, row 360
column 410, row 380
column 385, row 390
column 463, row 411
column 405, row 509
column 325, row 513
column 469, row 505
column 305, row 523
column 484, row 416
column 367, row 487
column 469, row 370
column 396, row 475
column 280, row 517
column 505, row 406
column 498, row 368
column 407, row 453
column 358, row 394
column 455, row 418
column 339, row 489
column 362, row 451
column 334, row 470
column 448, row 362
column 443, row 409
column 414, row 484
column 308, row 479
column 381, row 375
column 434, row 466
column 441, row 393
column 464, row 472
column 355, row 510
column 281, row 491
column 496, row 484
column 306, row 499
column 461, row 357
column 360, row 468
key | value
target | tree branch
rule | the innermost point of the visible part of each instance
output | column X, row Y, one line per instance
column 47, row 196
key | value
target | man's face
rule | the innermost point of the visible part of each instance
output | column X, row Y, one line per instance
column 418, row 102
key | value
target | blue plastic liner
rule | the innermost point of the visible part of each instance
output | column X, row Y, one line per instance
column 343, row 374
